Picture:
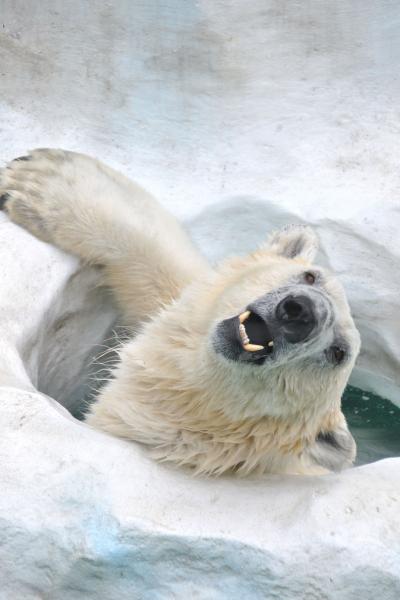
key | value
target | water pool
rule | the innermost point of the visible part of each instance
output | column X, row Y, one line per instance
column 374, row 423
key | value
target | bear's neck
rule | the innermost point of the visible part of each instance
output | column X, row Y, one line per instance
column 181, row 411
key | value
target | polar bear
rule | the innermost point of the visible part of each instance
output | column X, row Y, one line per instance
column 237, row 368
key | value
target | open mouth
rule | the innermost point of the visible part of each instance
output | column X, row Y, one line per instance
column 255, row 334
column 267, row 328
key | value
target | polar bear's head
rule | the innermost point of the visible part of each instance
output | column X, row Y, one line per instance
column 281, row 324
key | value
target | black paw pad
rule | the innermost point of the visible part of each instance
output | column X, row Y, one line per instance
column 3, row 200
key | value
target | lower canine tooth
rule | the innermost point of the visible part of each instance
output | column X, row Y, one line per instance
column 252, row 347
column 244, row 316
column 270, row 344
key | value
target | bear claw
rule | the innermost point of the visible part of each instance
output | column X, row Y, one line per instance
column 3, row 200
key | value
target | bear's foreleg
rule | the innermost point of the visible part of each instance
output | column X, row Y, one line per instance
column 88, row 209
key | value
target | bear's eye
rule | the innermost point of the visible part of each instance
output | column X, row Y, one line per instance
column 337, row 354
column 309, row 278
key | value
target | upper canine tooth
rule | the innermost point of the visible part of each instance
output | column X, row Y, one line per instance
column 252, row 347
column 270, row 344
column 245, row 315
column 243, row 334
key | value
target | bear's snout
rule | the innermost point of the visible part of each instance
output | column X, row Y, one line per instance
column 296, row 317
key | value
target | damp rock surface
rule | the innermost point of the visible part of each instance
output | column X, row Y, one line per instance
column 240, row 117
column 85, row 515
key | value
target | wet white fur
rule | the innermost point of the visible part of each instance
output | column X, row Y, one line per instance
column 171, row 391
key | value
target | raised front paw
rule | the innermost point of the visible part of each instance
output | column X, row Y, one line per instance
column 34, row 192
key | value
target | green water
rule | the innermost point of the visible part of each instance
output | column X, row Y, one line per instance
column 374, row 423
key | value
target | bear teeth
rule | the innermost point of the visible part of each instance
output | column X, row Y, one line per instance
column 246, row 342
column 252, row 347
column 243, row 334
column 245, row 315
column 247, row 345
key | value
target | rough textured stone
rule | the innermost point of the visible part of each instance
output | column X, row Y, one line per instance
column 240, row 117
column 85, row 515
column 237, row 116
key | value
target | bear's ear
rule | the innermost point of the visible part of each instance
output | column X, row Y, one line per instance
column 294, row 241
column 333, row 450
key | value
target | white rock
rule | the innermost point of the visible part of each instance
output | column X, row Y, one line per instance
column 84, row 515
column 53, row 317
column 203, row 103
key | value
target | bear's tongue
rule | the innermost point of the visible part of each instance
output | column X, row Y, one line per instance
column 254, row 332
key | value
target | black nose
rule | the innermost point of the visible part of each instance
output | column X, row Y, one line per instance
column 296, row 317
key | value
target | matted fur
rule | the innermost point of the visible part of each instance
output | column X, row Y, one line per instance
column 171, row 390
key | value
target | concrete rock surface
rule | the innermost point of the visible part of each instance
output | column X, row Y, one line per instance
column 240, row 117
column 84, row 515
